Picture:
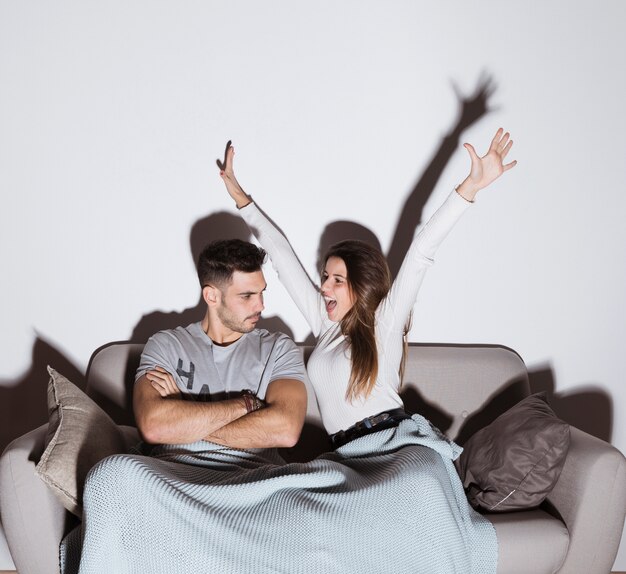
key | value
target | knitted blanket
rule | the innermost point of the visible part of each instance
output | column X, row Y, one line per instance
column 389, row 502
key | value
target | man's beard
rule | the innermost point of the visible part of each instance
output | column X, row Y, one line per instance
column 233, row 323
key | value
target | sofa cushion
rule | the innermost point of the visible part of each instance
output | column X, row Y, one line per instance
column 530, row 541
column 80, row 434
column 514, row 462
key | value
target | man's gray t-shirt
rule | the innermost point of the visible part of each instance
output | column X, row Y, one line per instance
column 207, row 371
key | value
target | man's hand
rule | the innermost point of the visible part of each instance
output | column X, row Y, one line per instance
column 163, row 383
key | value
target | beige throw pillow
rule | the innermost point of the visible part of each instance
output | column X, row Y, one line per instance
column 80, row 434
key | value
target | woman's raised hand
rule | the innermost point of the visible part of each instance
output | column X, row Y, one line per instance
column 228, row 176
column 488, row 168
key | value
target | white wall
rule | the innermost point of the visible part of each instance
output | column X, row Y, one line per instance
column 112, row 113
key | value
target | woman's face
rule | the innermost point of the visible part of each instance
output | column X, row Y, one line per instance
column 335, row 289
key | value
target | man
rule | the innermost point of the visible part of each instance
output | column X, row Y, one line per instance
column 221, row 379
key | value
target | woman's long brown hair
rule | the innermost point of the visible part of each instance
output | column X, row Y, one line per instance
column 369, row 280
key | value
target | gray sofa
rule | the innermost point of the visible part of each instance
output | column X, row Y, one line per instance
column 460, row 388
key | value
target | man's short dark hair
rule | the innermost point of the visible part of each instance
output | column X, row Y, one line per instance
column 220, row 259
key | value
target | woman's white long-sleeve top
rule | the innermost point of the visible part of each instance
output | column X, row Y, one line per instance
column 329, row 366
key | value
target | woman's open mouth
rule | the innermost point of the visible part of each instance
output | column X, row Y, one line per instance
column 331, row 304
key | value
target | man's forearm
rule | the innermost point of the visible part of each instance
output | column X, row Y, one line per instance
column 176, row 421
column 266, row 428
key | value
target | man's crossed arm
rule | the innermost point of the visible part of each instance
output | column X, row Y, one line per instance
column 280, row 422
column 163, row 417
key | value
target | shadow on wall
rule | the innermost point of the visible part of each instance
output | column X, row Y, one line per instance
column 23, row 402
column 470, row 109
column 587, row 407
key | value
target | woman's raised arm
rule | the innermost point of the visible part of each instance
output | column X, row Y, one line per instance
column 289, row 269
column 395, row 309
column 228, row 176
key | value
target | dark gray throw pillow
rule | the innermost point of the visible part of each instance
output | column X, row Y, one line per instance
column 513, row 463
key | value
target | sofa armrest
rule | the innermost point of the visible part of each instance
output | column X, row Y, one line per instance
column 34, row 521
column 590, row 496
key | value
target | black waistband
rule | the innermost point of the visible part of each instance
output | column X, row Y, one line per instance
column 384, row 420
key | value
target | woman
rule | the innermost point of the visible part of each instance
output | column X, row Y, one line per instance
column 395, row 501
column 357, row 317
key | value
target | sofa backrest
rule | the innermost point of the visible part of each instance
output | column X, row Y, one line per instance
column 462, row 388
column 111, row 376
column 459, row 388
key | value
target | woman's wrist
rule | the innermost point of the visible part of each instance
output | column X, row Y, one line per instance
column 467, row 190
column 238, row 194
column 242, row 201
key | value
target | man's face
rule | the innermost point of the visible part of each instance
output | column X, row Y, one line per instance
column 241, row 302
